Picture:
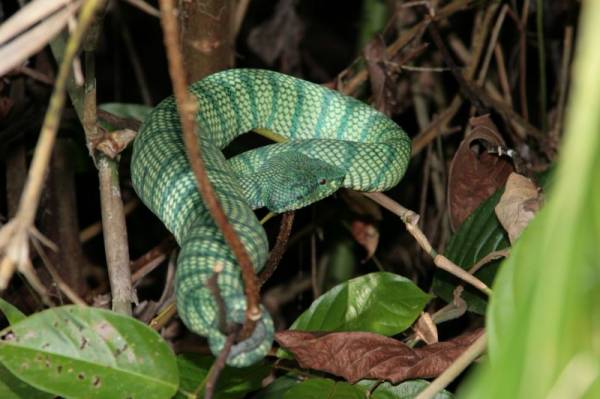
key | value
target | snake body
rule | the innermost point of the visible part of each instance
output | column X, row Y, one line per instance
column 333, row 141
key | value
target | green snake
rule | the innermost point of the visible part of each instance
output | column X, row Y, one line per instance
column 333, row 141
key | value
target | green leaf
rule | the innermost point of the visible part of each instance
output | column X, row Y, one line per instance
column 480, row 234
column 544, row 314
column 278, row 388
column 13, row 315
column 383, row 303
column 88, row 352
column 405, row 390
column 13, row 388
column 233, row 382
column 319, row 388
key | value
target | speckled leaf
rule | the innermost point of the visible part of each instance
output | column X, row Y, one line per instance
column 233, row 382
column 319, row 388
column 12, row 314
column 381, row 302
column 75, row 351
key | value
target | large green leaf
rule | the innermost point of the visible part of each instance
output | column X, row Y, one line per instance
column 381, row 302
column 233, row 382
column 87, row 352
column 544, row 315
column 13, row 315
column 319, row 388
column 13, row 388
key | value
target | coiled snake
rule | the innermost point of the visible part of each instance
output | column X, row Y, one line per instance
column 333, row 141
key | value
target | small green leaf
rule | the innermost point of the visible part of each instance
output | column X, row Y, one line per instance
column 13, row 315
column 383, row 303
column 405, row 390
column 233, row 382
column 76, row 351
column 13, row 388
column 318, row 388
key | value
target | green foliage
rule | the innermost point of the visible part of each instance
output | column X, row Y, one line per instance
column 125, row 110
column 233, row 382
column 13, row 388
column 381, row 302
column 13, row 315
column 89, row 352
column 543, row 320
column 318, row 388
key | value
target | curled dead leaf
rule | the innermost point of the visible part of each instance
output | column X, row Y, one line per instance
column 425, row 329
column 475, row 174
column 111, row 144
column 518, row 205
column 367, row 235
column 359, row 355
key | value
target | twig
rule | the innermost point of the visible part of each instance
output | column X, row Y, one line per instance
column 60, row 283
column 151, row 259
column 145, row 7
column 403, row 39
column 187, row 110
column 278, row 250
column 213, row 286
column 411, row 220
column 219, row 364
column 542, row 63
column 465, row 88
column 455, row 369
column 501, row 253
column 14, row 235
column 238, row 17
column 564, row 81
column 93, row 230
column 16, row 51
column 492, row 44
column 502, row 75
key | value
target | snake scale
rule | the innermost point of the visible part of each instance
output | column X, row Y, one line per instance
column 333, row 141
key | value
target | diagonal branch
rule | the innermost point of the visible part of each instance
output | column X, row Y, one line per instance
column 187, row 107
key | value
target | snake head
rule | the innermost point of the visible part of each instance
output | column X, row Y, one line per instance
column 297, row 180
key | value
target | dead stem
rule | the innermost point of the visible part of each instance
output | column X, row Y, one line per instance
column 187, row 110
column 14, row 235
column 410, row 220
column 455, row 369
column 278, row 250
column 219, row 364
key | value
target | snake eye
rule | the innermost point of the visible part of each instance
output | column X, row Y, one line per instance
column 322, row 181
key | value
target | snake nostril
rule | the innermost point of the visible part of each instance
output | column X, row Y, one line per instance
column 322, row 181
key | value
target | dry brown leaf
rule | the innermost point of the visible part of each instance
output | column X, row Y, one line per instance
column 111, row 144
column 472, row 177
column 367, row 235
column 518, row 205
column 358, row 355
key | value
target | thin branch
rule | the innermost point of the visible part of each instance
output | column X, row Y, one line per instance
column 145, row 7
column 279, row 249
column 187, row 107
column 542, row 63
column 456, row 368
column 411, row 220
column 219, row 364
column 564, row 81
